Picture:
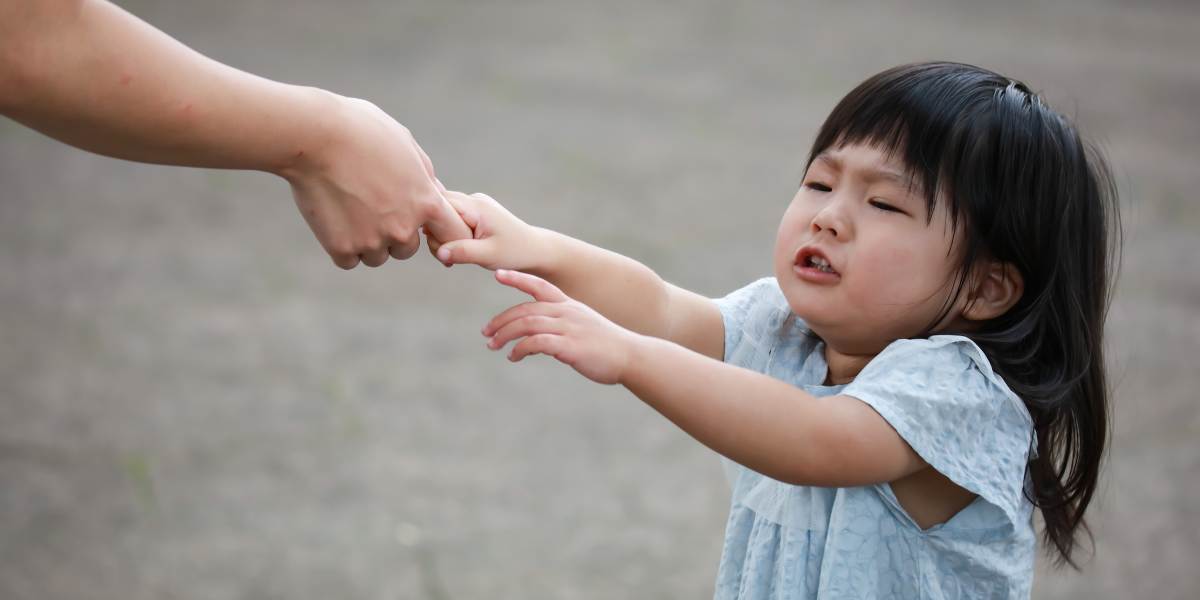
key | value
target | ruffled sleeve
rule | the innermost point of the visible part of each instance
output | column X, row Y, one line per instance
column 737, row 307
column 943, row 398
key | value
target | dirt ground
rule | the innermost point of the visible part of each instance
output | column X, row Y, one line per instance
column 195, row 403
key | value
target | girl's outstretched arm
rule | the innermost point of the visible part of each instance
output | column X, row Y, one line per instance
column 760, row 422
column 621, row 289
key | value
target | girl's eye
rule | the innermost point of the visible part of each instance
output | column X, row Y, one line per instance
column 885, row 206
column 820, row 187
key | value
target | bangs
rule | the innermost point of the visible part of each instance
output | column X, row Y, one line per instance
column 919, row 115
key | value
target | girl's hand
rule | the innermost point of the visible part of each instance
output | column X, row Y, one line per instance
column 558, row 326
column 500, row 240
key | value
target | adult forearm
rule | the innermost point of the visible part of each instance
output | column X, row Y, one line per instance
column 90, row 74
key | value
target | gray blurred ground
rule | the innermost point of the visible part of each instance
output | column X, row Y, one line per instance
column 195, row 403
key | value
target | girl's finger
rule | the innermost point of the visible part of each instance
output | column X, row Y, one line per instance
column 544, row 343
column 434, row 244
column 474, row 252
column 525, row 327
column 521, row 310
column 540, row 289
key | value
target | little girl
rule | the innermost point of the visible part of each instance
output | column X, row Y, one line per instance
column 924, row 369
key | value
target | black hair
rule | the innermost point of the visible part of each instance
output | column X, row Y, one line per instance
column 1030, row 192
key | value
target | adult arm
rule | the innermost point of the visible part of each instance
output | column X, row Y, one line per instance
column 89, row 74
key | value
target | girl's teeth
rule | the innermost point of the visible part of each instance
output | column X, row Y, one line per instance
column 820, row 263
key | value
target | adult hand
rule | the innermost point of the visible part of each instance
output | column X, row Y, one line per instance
column 368, row 192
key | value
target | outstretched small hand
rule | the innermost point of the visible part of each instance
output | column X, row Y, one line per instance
column 555, row 325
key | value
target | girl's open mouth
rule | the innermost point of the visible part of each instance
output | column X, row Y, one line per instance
column 813, row 266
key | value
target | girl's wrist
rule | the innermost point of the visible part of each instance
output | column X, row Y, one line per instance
column 544, row 253
column 638, row 351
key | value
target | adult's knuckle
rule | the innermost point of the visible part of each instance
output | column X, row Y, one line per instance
column 344, row 254
column 400, row 232
column 431, row 202
column 371, row 246
column 345, row 262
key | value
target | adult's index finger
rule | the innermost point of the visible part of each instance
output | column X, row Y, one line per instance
column 447, row 225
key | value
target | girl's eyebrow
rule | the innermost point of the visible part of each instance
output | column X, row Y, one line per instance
column 871, row 174
column 833, row 162
column 887, row 176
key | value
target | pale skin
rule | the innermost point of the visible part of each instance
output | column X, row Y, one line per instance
column 616, row 322
column 89, row 74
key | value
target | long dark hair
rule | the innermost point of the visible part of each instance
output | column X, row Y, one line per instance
column 1030, row 192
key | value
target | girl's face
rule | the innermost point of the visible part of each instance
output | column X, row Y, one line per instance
column 856, row 256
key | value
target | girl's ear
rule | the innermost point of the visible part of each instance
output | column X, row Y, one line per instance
column 996, row 288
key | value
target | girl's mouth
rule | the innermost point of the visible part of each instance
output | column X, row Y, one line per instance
column 812, row 265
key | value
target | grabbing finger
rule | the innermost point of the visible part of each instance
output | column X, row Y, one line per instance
column 434, row 244
column 540, row 289
column 464, row 205
column 446, row 224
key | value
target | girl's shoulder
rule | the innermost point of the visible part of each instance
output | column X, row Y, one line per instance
column 942, row 396
column 742, row 301
column 950, row 361
column 758, row 302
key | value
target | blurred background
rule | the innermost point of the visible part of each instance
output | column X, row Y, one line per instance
column 195, row 403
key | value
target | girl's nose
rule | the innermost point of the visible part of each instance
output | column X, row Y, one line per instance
column 832, row 219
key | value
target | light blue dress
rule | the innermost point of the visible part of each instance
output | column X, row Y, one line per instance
column 790, row 542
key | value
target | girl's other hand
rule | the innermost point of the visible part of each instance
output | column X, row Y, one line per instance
column 500, row 240
column 556, row 325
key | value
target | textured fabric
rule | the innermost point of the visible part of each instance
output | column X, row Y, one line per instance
column 790, row 542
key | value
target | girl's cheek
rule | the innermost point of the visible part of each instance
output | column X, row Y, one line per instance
column 788, row 238
column 892, row 275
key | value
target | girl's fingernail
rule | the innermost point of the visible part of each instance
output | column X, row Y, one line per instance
column 444, row 253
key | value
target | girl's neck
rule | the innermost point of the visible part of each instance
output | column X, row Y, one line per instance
column 843, row 368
